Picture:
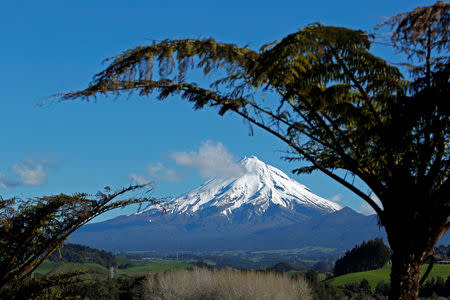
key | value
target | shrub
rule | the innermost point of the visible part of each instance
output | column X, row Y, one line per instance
column 382, row 289
column 321, row 290
column 226, row 284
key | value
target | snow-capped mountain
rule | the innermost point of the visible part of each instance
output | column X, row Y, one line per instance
column 260, row 208
column 257, row 188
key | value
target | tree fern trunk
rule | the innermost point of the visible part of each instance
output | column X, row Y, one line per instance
column 411, row 243
column 405, row 275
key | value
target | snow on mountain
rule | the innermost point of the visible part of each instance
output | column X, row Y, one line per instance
column 259, row 187
column 259, row 209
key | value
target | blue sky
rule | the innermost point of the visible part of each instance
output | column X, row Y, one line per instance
column 51, row 47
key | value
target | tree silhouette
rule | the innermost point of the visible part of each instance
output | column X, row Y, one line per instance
column 369, row 255
column 30, row 230
column 337, row 107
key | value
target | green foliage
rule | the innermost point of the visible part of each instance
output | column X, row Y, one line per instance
column 370, row 255
column 95, row 271
column 82, row 254
column 30, row 230
column 92, row 270
column 46, row 266
column 323, row 266
column 48, row 287
column 121, row 260
column 437, row 286
column 382, row 288
column 322, row 290
column 124, row 263
column 286, row 267
column 358, row 290
column 105, row 289
column 422, row 34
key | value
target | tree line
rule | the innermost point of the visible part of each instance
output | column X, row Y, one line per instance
column 370, row 255
column 83, row 254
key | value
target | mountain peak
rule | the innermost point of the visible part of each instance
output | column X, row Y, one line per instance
column 259, row 188
column 252, row 164
column 251, row 157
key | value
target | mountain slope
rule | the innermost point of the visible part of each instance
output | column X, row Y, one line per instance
column 259, row 187
column 342, row 229
column 181, row 232
column 259, row 208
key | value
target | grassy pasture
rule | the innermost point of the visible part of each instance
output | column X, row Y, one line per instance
column 48, row 267
column 155, row 266
column 375, row 276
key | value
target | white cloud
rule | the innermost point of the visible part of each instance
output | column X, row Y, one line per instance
column 337, row 198
column 155, row 172
column 30, row 172
column 138, row 178
column 211, row 160
column 159, row 171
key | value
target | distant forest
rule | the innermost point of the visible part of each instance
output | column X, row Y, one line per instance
column 370, row 255
column 84, row 254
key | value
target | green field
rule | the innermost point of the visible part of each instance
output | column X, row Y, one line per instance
column 126, row 261
column 375, row 276
column 95, row 271
column 155, row 266
column 136, row 269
